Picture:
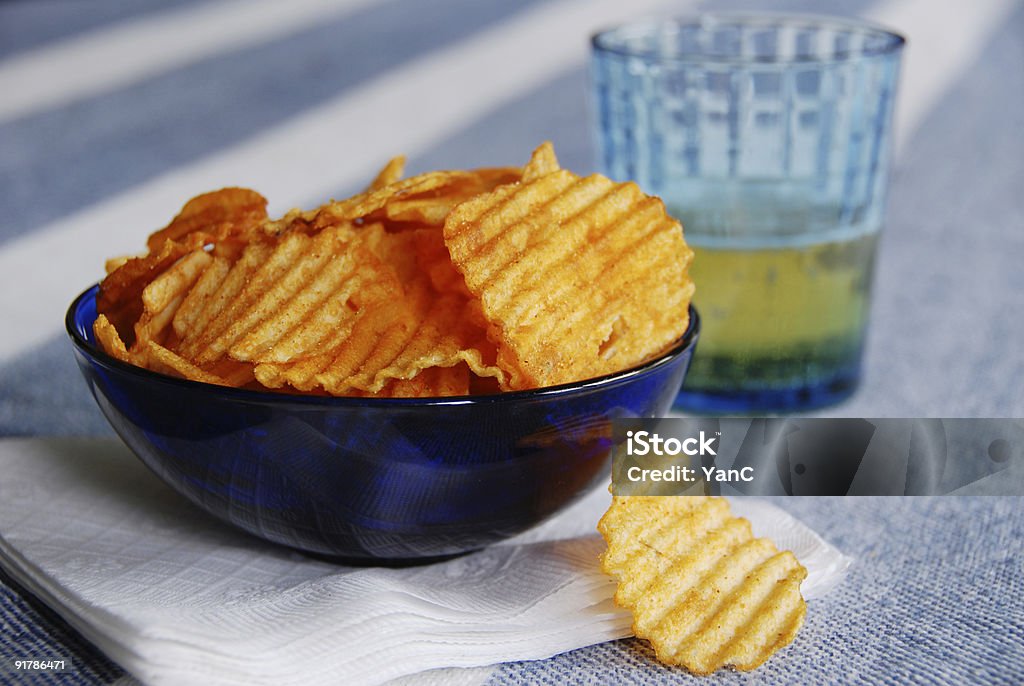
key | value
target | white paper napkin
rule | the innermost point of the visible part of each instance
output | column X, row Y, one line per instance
column 175, row 597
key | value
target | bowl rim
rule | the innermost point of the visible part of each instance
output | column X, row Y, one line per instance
column 97, row 354
column 604, row 41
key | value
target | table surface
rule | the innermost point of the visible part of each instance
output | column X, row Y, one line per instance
column 115, row 112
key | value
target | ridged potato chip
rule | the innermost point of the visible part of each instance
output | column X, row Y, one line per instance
column 447, row 282
column 165, row 294
column 432, row 208
column 120, row 295
column 371, row 201
column 578, row 276
column 218, row 214
column 110, row 340
column 281, row 303
column 446, row 325
column 395, row 340
column 702, row 589
column 432, row 382
column 391, row 173
column 163, row 360
column 217, row 288
column 352, row 356
column 542, row 162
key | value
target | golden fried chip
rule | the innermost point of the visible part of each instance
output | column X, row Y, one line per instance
column 441, row 337
column 391, row 173
column 433, row 382
column 702, row 589
column 367, row 203
column 387, row 343
column 233, row 373
column 120, row 293
column 542, row 162
column 446, row 282
column 377, row 317
column 167, row 362
column 348, row 351
column 197, row 300
column 489, row 178
column 396, row 339
column 165, row 294
column 579, row 277
column 267, row 311
column 115, row 263
column 298, row 312
column 109, row 340
column 218, row 287
column 432, row 208
column 397, row 250
column 218, row 213
column 442, row 322
column 433, row 260
column 425, row 211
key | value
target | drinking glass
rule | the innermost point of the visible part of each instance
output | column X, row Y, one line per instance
column 768, row 137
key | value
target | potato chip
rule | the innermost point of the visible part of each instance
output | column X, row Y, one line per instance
column 367, row 203
column 397, row 250
column 542, row 162
column 444, row 323
column 220, row 213
column 165, row 294
column 233, row 373
column 197, row 301
column 120, row 293
column 115, row 263
column 346, row 353
column 702, row 589
column 293, row 317
column 432, row 382
column 432, row 208
column 442, row 337
column 433, row 261
column 206, row 308
column 579, row 277
column 266, row 311
column 394, row 340
column 418, row 328
column 390, row 174
column 424, row 211
column 488, row 178
column 163, row 360
column 448, row 282
column 109, row 339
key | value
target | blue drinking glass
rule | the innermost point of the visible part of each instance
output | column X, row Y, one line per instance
column 768, row 137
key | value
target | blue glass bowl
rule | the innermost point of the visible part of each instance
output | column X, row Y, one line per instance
column 373, row 480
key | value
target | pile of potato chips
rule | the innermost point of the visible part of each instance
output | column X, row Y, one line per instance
column 702, row 589
column 443, row 284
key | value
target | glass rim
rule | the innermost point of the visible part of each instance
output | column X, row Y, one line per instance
column 602, row 41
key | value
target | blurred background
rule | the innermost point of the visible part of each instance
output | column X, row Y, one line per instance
column 115, row 112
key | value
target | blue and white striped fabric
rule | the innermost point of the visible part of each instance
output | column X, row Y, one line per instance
column 113, row 113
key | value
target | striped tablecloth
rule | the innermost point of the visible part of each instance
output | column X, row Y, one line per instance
column 112, row 113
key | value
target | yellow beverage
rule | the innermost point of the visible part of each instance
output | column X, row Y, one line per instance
column 781, row 315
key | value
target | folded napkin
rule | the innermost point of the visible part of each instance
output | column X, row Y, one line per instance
column 175, row 596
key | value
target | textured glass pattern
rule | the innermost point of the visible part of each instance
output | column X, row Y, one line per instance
column 768, row 137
